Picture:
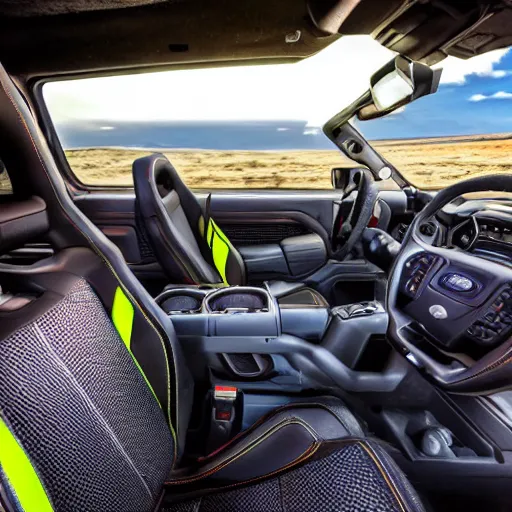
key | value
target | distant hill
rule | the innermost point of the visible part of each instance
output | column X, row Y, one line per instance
column 250, row 135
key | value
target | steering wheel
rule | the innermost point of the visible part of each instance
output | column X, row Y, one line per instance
column 438, row 296
column 349, row 230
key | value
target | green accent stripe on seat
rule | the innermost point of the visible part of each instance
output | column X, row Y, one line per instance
column 220, row 247
column 209, row 234
column 21, row 474
column 122, row 316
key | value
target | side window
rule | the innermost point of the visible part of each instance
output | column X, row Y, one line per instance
column 242, row 127
column 5, row 182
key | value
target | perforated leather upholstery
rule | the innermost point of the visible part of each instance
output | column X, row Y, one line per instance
column 342, row 476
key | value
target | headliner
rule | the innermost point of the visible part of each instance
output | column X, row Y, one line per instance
column 40, row 38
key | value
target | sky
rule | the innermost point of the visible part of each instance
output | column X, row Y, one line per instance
column 471, row 95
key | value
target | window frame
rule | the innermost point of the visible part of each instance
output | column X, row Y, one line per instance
column 48, row 127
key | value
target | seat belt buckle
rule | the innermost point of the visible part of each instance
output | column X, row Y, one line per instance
column 224, row 398
column 224, row 402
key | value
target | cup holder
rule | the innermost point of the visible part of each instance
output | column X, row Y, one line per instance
column 238, row 299
column 181, row 301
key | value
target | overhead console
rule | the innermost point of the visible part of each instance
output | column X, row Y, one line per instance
column 428, row 30
column 431, row 30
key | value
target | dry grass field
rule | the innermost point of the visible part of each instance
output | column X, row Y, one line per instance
column 428, row 163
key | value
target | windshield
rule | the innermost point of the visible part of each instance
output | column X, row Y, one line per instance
column 231, row 127
column 260, row 126
column 462, row 131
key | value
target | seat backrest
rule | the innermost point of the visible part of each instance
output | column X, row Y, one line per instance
column 188, row 244
column 95, row 394
column 80, row 426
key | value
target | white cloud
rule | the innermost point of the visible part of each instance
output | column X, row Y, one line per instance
column 499, row 73
column 456, row 70
column 500, row 95
column 311, row 90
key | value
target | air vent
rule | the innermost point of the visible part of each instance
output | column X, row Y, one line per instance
column 416, row 270
column 401, row 231
column 353, row 147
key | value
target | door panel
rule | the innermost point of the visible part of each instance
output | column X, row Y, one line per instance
column 248, row 218
column 314, row 206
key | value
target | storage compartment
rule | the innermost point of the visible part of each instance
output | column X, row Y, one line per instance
column 304, row 314
column 292, row 257
column 356, row 336
column 237, row 311
column 264, row 262
column 411, row 429
column 241, row 311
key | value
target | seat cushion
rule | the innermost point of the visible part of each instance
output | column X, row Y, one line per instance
column 278, row 440
column 349, row 475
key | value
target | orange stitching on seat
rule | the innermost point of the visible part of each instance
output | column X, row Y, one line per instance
column 267, row 417
column 222, row 464
column 307, row 454
column 396, row 493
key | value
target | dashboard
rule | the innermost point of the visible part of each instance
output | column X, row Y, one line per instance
column 480, row 227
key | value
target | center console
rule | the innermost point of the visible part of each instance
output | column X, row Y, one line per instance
column 245, row 334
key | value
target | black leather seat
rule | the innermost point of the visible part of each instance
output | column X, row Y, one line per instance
column 95, row 396
column 187, row 242
column 189, row 245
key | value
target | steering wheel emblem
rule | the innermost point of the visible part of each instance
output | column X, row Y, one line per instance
column 438, row 312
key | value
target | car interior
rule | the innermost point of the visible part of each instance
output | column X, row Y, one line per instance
column 165, row 348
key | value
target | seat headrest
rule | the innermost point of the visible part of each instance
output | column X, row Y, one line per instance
column 22, row 221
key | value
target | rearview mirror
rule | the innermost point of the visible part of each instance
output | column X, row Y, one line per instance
column 398, row 83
